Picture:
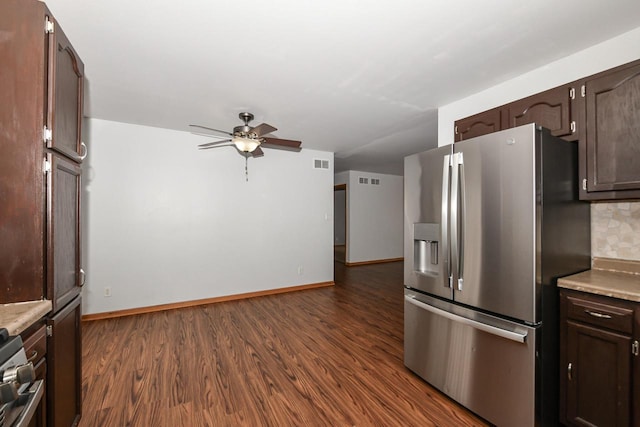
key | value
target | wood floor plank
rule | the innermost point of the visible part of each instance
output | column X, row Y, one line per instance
column 327, row 356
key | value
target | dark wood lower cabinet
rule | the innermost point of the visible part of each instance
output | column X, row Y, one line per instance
column 598, row 367
column 598, row 373
column 64, row 376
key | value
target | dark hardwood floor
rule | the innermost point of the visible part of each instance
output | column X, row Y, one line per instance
column 322, row 357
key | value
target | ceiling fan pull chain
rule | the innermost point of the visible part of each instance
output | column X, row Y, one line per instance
column 246, row 167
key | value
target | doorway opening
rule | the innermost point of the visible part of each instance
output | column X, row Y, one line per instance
column 340, row 222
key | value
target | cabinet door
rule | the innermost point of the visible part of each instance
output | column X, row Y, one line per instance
column 550, row 109
column 63, row 231
column 65, row 96
column 613, row 130
column 598, row 372
column 22, row 90
column 477, row 125
column 64, row 373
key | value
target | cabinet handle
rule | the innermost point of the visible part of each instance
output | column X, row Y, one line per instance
column 83, row 277
column 598, row 315
column 33, row 356
column 84, row 151
column 570, row 372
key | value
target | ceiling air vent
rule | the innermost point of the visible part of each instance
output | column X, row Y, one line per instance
column 320, row 164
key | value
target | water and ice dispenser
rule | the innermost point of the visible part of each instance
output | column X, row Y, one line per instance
column 425, row 247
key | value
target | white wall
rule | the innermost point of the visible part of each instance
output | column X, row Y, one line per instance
column 617, row 51
column 375, row 217
column 168, row 223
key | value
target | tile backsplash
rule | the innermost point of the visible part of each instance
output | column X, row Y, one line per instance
column 615, row 230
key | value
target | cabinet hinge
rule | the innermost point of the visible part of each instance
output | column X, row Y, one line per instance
column 47, row 166
column 47, row 135
column 583, row 91
column 572, row 93
column 573, row 126
column 584, row 184
column 48, row 26
column 635, row 348
column 49, row 331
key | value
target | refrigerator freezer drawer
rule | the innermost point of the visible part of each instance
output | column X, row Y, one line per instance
column 485, row 363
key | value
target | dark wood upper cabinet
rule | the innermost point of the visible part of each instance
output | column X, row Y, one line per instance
column 478, row 124
column 612, row 135
column 64, row 95
column 64, row 275
column 22, row 188
column 41, row 150
column 551, row 109
column 40, row 173
column 602, row 112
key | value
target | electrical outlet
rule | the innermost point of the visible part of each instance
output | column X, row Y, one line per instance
column 300, row 270
column 107, row 291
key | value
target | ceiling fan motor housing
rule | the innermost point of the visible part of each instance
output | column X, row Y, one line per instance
column 244, row 131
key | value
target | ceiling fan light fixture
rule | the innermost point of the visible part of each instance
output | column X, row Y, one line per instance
column 246, row 145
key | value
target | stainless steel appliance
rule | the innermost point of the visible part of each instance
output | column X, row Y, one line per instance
column 490, row 224
column 20, row 395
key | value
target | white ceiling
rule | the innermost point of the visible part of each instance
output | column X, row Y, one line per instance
column 360, row 78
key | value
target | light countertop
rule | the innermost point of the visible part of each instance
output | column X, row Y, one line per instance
column 612, row 279
column 17, row 317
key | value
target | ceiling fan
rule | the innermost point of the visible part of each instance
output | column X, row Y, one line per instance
column 248, row 140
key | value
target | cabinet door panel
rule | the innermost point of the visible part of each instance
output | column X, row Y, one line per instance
column 477, row 125
column 63, row 231
column 66, row 81
column 550, row 109
column 598, row 391
column 613, row 130
column 64, row 375
column 22, row 90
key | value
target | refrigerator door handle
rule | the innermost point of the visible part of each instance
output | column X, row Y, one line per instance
column 462, row 217
column 494, row 330
column 453, row 203
column 446, row 173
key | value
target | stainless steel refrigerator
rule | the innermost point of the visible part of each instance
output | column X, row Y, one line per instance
column 490, row 224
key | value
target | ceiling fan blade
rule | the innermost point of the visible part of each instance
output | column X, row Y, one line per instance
column 257, row 152
column 216, row 146
column 208, row 135
column 212, row 129
column 286, row 143
column 263, row 129
column 210, row 144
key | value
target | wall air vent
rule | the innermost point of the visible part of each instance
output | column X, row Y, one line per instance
column 375, row 181
column 363, row 180
column 320, row 164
